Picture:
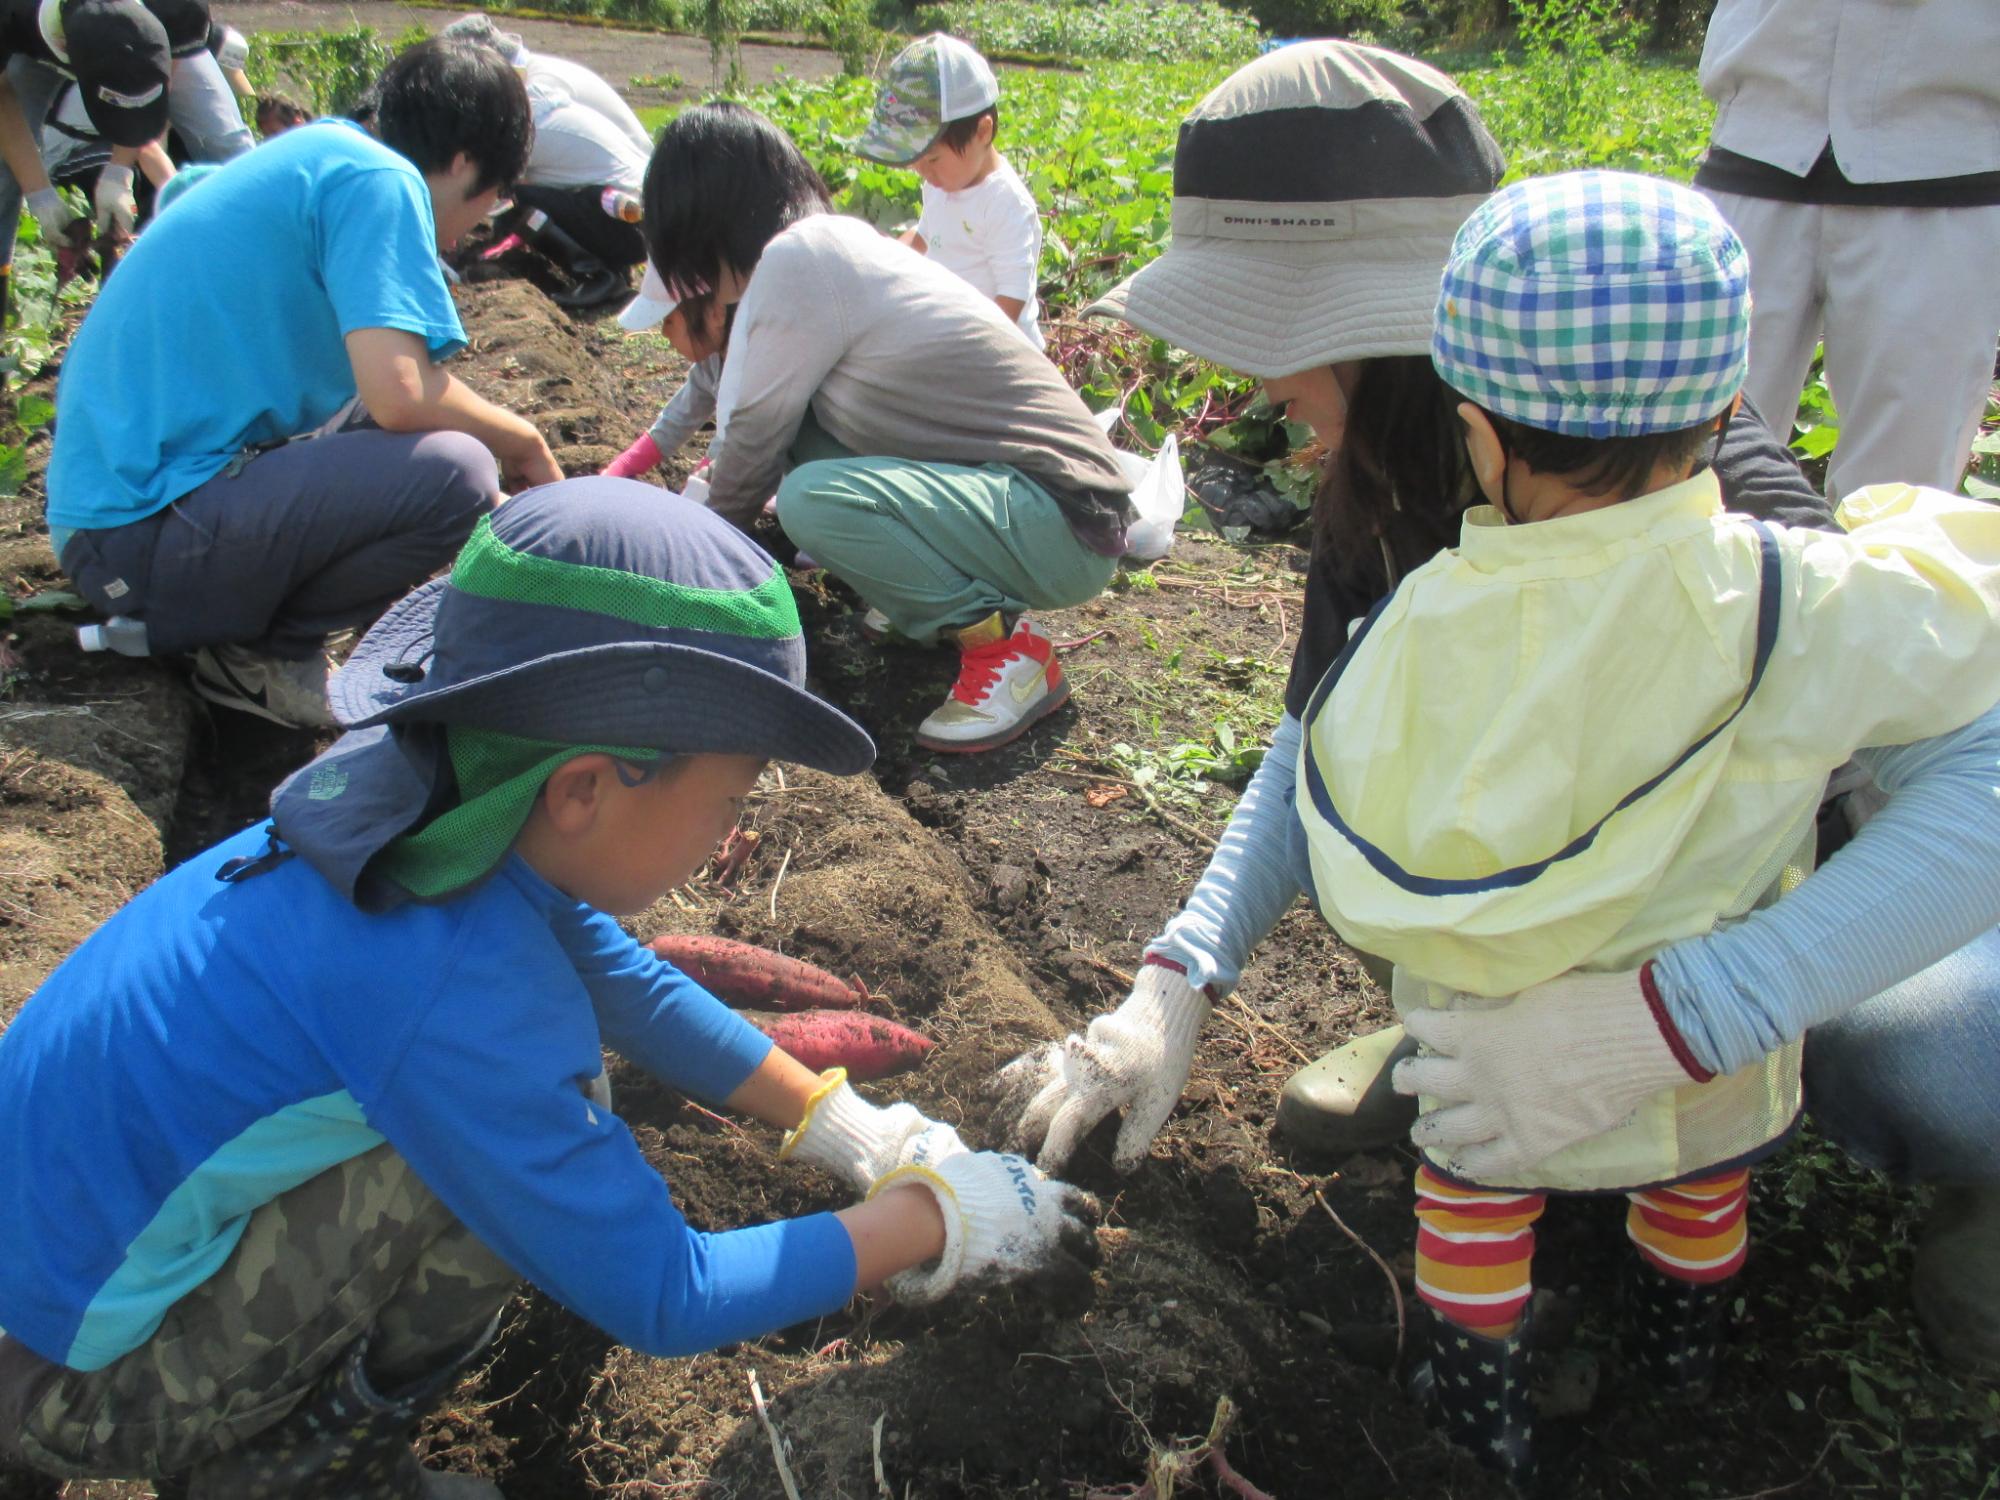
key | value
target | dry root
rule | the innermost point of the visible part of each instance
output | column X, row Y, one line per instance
column 1167, row 1469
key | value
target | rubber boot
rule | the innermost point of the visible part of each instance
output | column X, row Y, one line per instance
column 345, row 1441
column 1344, row 1102
column 1481, row 1390
column 1956, row 1284
column 593, row 283
column 1674, row 1330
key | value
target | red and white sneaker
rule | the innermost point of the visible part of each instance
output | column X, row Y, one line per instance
column 1005, row 683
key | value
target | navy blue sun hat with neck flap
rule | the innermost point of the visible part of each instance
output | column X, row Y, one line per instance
column 591, row 614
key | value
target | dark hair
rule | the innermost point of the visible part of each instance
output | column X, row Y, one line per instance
column 723, row 183
column 366, row 106
column 959, row 133
column 1391, row 498
column 1605, row 466
column 284, row 107
column 444, row 96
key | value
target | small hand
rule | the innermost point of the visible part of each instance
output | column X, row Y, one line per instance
column 531, row 467
column 860, row 1142
column 1136, row 1059
column 112, row 198
column 1003, row 1220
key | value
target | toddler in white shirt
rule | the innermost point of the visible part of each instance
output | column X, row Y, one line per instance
column 936, row 115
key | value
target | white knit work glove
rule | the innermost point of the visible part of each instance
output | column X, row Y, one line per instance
column 1136, row 1059
column 112, row 197
column 1565, row 1061
column 52, row 215
column 1002, row 1220
column 844, row 1134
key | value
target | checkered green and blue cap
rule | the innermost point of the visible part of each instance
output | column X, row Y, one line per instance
column 1597, row 304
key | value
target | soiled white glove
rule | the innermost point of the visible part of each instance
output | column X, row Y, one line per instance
column 1135, row 1059
column 858, row 1141
column 52, row 215
column 112, row 197
column 1565, row 1061
column 1002, row 1219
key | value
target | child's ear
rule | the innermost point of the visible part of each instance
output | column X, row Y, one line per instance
column 1484, row 450
column 982, row 135
column 573, row 797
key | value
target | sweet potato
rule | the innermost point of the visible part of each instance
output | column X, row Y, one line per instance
column 867, row 1046
column 757, row 977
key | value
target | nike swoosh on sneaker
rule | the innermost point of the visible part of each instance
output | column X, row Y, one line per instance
column 1025, row 690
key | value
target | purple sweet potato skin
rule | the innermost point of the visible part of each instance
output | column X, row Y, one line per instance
column 756, row 977
column 867, row 1046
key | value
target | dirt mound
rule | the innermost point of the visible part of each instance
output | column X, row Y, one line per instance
column 589, row 387
column 91, row 753
column 1017, row 1391
column 869, row 892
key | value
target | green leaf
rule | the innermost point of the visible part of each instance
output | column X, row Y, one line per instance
column 1816, row 442
column 33, row 412
column 1981, row 489
column 1865, row 1398
column 51, row 599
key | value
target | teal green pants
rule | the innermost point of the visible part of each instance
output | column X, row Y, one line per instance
column 935, row 547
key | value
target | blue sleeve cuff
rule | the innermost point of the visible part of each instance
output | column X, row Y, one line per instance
column 1249, row 882
column 1917, row 882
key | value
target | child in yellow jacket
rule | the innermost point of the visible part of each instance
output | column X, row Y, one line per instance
column 1603, row 723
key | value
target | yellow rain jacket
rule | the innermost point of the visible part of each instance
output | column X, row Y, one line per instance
column 1569, row 744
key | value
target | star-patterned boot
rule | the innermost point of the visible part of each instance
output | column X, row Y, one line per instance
column 1674, row 1330
column 346, row 1440
column 1481, row 1389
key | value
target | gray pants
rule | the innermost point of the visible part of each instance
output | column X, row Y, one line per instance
column 319, row 535
column 200, row 106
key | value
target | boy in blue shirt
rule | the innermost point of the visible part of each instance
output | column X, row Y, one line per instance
column 278, row 1140
column 303, row 276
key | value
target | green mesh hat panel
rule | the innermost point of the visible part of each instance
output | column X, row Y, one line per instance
column 499, row 777
column 604, row 612
column 491, row 569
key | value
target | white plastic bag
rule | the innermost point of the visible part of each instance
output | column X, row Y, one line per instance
column 1159, row 494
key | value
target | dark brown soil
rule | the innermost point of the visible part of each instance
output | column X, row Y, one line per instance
column 989, row 902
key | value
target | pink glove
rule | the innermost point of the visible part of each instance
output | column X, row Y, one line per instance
column 641, row 458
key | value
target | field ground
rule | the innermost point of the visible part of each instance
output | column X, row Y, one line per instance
column 993, row 902
column 990, row 899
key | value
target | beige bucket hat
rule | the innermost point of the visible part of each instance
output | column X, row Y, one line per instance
column 1316, row 193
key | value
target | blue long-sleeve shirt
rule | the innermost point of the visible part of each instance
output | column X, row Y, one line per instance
column 215, row 1043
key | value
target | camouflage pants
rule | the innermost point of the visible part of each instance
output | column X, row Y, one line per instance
column 362, row 1250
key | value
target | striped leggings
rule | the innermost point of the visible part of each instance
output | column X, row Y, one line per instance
column 1476, row 1246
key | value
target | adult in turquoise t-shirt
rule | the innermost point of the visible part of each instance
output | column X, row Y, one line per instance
column 302, row 276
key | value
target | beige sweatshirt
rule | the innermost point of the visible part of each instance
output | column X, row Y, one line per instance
column 896, row 356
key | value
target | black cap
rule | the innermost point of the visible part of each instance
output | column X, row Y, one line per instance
column 187, row 23
column 118, row 50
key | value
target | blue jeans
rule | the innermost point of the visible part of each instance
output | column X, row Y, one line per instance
column 1905, row 1081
